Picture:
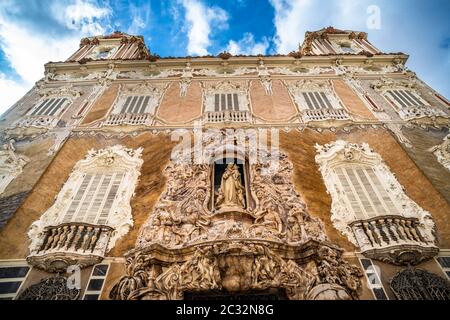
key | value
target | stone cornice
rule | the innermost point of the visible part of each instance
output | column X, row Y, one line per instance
column 329, row 60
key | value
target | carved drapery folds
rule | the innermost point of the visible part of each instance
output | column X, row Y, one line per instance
column 442, row 152
column 394, row 229
column 63, row 236
column 417, row 284
column 273, row 243
column 11, row 164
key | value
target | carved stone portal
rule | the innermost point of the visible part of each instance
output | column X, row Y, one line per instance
column 274, row 244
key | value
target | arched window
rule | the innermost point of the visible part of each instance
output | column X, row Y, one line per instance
column 416, row 284
column 91, row 211
column 371, row 208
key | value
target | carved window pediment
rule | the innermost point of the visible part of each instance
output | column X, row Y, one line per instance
column 91, row 211
column 370, row 207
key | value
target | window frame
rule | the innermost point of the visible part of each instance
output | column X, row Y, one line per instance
column 93, row 277
column 12, row 264
column 371, row 285
column 42, row 102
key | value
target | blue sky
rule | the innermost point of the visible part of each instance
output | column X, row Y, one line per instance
column 33, row 32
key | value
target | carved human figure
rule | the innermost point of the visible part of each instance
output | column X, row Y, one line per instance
column 231, row 190
column 270, row 218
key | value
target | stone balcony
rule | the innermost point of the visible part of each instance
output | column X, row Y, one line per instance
column 227, row 116
column 143, row 119
column 325, row 114
column 393, row 239
column 68, row 244
column 417, row 112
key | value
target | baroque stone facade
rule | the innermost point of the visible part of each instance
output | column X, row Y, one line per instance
column 318, row 175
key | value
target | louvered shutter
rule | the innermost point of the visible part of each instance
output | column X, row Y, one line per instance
column 364, row 192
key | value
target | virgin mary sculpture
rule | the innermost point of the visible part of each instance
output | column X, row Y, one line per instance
column 231, row 191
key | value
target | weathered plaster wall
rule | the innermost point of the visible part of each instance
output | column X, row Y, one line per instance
column 422, row 141
column 275, row 107
column 175, row 109
column 102, row 105
column 352, row 102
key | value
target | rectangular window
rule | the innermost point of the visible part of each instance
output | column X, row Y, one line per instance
column 49, row 107
column 444, row 262
column 135, row 104
column 94, row 198
column 11, row 278
column 373, row 279
column 96, row 282
column 317, row 100
column 405, row 98
column 226, row 101
column 364, row 191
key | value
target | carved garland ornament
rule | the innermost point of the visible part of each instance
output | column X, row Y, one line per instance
column 233, row 249
column 53, row 288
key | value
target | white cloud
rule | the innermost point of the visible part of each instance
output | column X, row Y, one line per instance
column 291, row 22
column 248, row 46
column 81, row 15
column 139, row 17
column 27, row 50
column 10, row 92
column 201, row 19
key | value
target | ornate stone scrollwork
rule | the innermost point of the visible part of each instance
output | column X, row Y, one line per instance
column 11, row 164
column 404, row 236
column 442, row 152
column 56, row 243
column 187, row 246
column 53, row 288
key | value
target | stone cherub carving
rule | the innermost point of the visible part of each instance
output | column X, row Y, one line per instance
column 231, row 192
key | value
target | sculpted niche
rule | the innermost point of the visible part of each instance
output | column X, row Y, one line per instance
column 255, row 236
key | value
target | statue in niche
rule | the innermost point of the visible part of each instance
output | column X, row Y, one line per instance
column 231, row 191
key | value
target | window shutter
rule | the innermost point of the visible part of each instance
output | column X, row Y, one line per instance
column 125, row 106
column 236, row 101
column 144, row 105
column 77, row 199
column 111, row 194
column 57, row 106
column 325, row 99
column 308, row 101
column 94, row 198
column 365, row 192
column 216, row 102
column 223, row 103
